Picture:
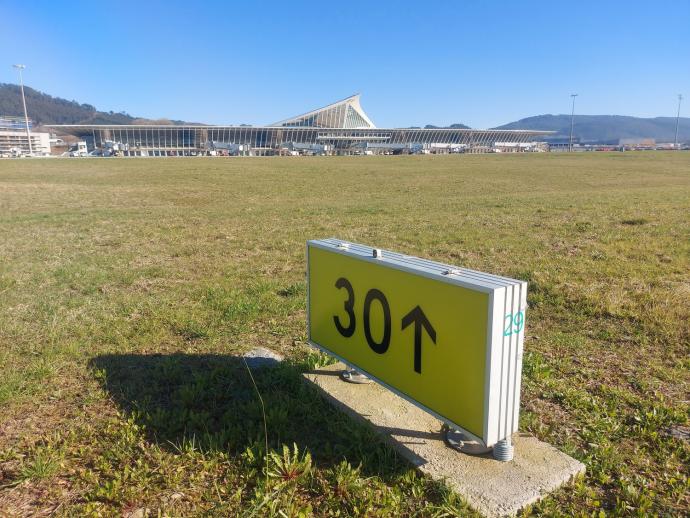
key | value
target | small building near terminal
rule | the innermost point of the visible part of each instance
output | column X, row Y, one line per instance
column 14, row 140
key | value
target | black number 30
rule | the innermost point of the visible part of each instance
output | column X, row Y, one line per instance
column 416, row 317
column 349, row 306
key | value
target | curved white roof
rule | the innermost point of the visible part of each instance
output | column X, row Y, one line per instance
column 346, row 114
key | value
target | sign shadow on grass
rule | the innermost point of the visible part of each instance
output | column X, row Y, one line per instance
column 210, row 399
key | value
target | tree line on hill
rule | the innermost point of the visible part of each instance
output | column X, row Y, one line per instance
column 46, row 109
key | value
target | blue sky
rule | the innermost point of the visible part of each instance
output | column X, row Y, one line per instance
column 477, row 62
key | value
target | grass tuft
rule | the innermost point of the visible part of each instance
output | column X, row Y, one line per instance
column 635, row 221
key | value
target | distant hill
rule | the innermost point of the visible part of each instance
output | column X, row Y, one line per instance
column 457, row 125
column 46, row 109
column 607, row 128
column 454, row 126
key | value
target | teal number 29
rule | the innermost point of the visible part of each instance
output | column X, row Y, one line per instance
column 514, row 323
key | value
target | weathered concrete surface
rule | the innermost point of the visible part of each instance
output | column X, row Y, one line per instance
column 491, row 487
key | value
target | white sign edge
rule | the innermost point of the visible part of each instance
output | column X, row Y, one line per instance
column 477, row 286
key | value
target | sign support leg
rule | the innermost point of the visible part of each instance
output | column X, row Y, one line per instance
column 459, row 441
column 354, row 376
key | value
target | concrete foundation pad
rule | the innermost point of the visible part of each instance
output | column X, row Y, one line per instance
column 493, row 488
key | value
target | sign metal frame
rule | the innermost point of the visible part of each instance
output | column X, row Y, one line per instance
column 503, row 362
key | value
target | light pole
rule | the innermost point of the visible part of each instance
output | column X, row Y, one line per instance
column 572, row 120
column 675, row 139
column 26, row 115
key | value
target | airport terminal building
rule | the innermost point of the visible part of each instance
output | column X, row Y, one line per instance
column 341, row 128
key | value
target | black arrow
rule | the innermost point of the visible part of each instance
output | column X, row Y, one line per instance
column 419, row 318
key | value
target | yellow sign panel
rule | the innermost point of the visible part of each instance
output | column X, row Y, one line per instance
column 423, row 329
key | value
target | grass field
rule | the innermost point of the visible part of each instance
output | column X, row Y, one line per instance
column 127, row 287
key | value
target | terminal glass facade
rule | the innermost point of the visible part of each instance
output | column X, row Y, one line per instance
column 340, row 128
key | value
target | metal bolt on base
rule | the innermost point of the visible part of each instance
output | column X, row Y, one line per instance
column 503, row 450
column 354, row 376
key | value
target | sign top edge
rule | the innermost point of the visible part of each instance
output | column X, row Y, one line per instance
column 426, row 267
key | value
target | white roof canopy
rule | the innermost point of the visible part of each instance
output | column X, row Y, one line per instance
column 347, row 114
